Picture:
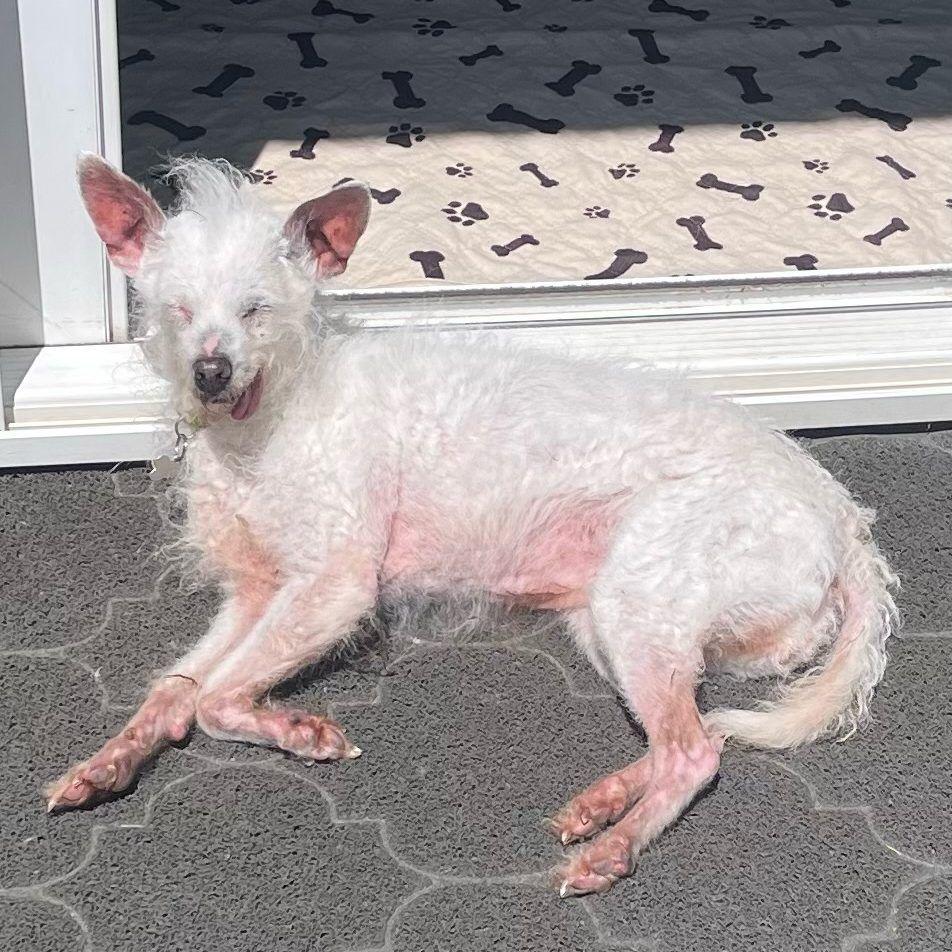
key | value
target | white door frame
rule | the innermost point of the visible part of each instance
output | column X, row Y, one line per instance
column 806, row 349
column 70, row 66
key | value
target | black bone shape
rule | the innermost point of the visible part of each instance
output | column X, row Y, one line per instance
column 165, row 6
column 543, row 179
column 828, row 47
column 802, row 262
column 624, row 259
column 702, row 241
column 323, row 8
column 430, row 260
column 472, row 59
column 897, row 224
column 649, row 46
column 893, row 164
column 181, row 132
column 516, row 243
column 381, row 198
column 662, row 6
column 896, row 121
column 749, row 192
column 663, row 142
column 229, row 75
column 506, row 112
column 405, row 98
column 750, row 89
column 311, row 137
column 579, row 71
column 909, row 77
column 508, row 6
column 140, row 56
column 309, row 56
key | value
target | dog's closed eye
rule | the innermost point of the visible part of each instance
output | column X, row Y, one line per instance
column 254, row 310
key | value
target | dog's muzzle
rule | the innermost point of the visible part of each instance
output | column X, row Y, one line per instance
column 212, row 375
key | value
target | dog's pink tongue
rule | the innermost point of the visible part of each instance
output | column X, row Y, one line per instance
column 249, row 400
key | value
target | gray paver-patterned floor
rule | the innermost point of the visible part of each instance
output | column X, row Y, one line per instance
column 433, row 839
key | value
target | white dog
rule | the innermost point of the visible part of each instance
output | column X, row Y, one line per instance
column 672, row 530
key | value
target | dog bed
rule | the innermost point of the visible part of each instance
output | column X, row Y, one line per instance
column 514, row 141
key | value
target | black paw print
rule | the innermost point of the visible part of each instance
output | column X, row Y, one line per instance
column 596, row 211
column 555, row 28
column 424, row 26
column 638, row 95
column 405, row 135
column 460, row 169
column 467, row 214
column 261, row 176
column 282, row 98
column 833, row 208
column 758, row 131
column 762, row 23
column 212, row 28
column 624, row 170
column 816, row 165
column 948, row 203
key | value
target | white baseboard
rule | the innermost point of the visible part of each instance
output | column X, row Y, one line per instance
column 803, row 353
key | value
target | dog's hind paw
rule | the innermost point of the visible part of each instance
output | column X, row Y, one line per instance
column 595, row 867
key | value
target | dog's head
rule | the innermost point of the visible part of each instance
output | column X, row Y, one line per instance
column 225, row 288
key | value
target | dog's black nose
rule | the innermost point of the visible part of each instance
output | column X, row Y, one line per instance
column 212, row 375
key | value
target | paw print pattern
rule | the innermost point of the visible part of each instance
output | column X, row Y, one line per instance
column 460, row 170
column 283, row 98
column 816, row 165
column 212, row 28
column 758, row 131
column 948, row 203
column 762, row 23
column 833, row 208
column 465, row 215
column 596, row 211
column 424, row 26
column 624, row 170
column 638, row 95
column 555, row 28
column 261, row 176
column 405, row 135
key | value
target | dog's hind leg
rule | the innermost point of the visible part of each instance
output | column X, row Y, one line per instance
column 681, row 760
column 165, row 716
column 306, row 619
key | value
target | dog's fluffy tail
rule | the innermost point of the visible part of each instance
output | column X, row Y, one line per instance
column 833, row 697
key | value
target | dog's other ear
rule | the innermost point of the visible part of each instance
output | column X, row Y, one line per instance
column 124, row 213
column 328, row 227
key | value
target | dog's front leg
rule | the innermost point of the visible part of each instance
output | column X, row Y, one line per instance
column 165, row 716
column 306, row 618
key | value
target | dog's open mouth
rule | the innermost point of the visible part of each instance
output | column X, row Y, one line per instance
column 248, row 401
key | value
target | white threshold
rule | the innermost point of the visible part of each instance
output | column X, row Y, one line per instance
column 804, row 351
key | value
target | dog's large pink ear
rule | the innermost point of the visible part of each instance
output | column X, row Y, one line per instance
column 329, row 227
column 124, row 213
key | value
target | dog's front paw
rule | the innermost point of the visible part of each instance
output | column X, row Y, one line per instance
column 314, row 737
column 107, row 773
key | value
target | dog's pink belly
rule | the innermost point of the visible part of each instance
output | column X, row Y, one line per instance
column 549, row 565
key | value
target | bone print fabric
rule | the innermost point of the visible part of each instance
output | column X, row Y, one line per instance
column 526, row 140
